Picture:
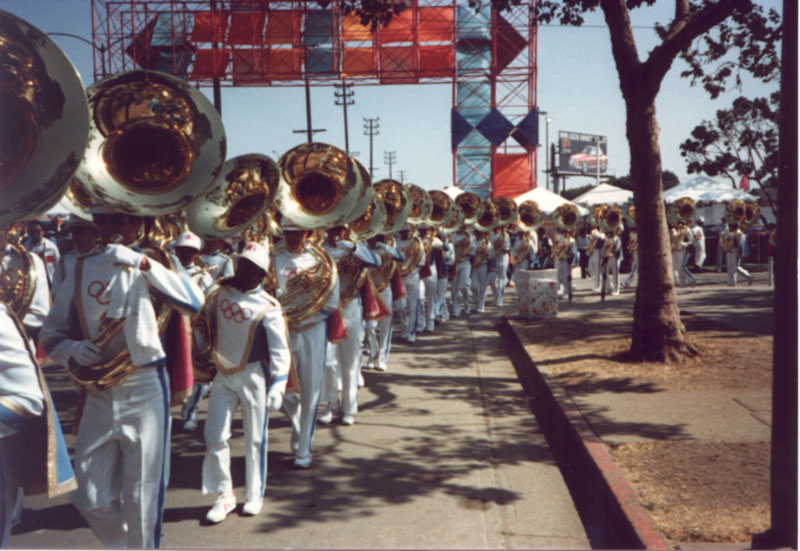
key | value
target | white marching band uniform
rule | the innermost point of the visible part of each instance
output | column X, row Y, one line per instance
column 448, row 261
column 595, row 262
column 563, row 262
column 48, row 252
column 251, row 352
column 733, row 255
column 379, row 332
column 218, row 264
column 633, row 251
column 480, row 273
column 430, row 285
column 121, row 455
column 699, row 241
column 308, row 342
column 462, row 241
column 343, row 360
column 501, row 244
column 612, row 250
column 408, row 308
column 681, row 239
column 40, row 303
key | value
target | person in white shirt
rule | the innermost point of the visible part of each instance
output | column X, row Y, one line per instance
column 121, row 454
column 212, row 258
column 37, row 244
column 411, row 246
column 84, row 237
column 480, row 269
column 501, row 246
column 699, row 242
column 251, row 352
column 379, row 332
column 464, row 249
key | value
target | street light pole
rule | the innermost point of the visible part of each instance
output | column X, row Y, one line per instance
column 546, row 162
column 547, row 145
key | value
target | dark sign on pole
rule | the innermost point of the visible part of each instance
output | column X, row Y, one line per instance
column 578, row 153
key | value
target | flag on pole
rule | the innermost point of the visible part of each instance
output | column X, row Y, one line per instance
column 744, row 183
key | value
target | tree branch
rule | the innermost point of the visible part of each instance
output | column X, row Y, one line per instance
column 623, row 43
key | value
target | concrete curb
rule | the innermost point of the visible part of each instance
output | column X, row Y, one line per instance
column 606, row 502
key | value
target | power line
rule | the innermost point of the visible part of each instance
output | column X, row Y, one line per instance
column 389, row 158
column 371, row 128
column 342, row 92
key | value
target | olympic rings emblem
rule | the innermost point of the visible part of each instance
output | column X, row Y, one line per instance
column 96, row 289
column 232, row 310
column 291, row 271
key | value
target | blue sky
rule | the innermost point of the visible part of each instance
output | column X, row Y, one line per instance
column 577, row 85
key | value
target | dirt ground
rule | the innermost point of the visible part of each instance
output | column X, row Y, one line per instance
column 695, row 492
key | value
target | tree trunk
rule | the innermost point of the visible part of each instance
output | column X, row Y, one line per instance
column 658, row 333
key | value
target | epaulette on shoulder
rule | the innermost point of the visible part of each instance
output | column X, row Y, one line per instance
column 269, row 299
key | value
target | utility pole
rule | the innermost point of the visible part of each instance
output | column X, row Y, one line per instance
column 389, row 158
column 342, row 92
column 402, row 176
column 371, row 127
column 309, row 130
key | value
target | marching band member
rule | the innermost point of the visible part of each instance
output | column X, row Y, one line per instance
column 735, row 243
column 445, row 268
column 84, row 235
column 251, row 352
column 27, row 417
column 633, row 251
column 480, row 269
column 596, row 242
column 37, row 244
column 411, row 246
column 429, row 276
column 612, row 251
column 501, row 246
column 40, row 303
column 680, row 242
column 308, row 338
column 564, row 252
column 699, row 242
column 379, row 332
column 185, row 255
column 122, row 449
column 344, row 357
column 464, row 246
column 214, row 260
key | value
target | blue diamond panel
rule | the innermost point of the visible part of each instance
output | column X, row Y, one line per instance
column 460, row 127
column 527, row 131
column 163, row 29
column 495, row 127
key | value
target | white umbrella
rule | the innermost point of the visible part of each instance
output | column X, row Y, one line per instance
column 707, row 190
column 604, row 194
column 547, row 200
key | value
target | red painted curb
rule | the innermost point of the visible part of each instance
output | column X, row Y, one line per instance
column 607, row 503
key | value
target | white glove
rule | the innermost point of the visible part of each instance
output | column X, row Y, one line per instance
column 274, row 400
column 345, row 245
column 125, row 255
column 86, row 352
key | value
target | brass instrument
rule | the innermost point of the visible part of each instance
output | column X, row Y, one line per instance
column 203, row 364
column 76, row 200
column 481, row 252
column 352, row 275
column 751, row 210
column 45, row 120
column 382, row 275
column 241, row 193
column 367, row 193
column 488, row 217
column 608, row 246
column 320, row 186
column 736, row 210
column 156, row 143
column 413, row 255
column 17, row 279
column 398, row 204
column 529, row 216
column 729, row 240
column 612, row 218
column 461, row 247
column 521, row 251
column 421, row 204
column 561, row 247
column 507, row 211
column 566, row 216
column 456, row 223
column 682, row 210
column 372, row 221
column 679, row 235
column 630, row 216
column 444, row 208
column 633, row 243
column 469, row 203
column 307, row 292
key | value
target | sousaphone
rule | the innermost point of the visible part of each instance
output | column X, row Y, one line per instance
column 45, row 120
column 238, row 197
column 398, row 204
column 421, row 204
column 444, row 208
column 507, row 211
column 156, row 143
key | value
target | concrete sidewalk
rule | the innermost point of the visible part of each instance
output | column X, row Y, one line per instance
column 579, row 427
column 445, row 453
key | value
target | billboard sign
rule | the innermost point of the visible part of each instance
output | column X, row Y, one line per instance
column 578, row 153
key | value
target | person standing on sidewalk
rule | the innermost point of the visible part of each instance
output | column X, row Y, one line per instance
column 735, row 243
column 582, row 242
column 251, row 352
column 699, row 242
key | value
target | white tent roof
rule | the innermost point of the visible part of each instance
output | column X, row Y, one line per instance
column 547, row 200
column 604, row 194
column 708, row 190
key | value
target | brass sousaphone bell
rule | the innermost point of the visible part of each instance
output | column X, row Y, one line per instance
column 45, row 120
column 488, row 217
column 444, row 208
column 156, row 143
column 507, row 211
column 320, row 186
column 241, row 193
column 421, row 204
column 529, row 215
column 398, row 204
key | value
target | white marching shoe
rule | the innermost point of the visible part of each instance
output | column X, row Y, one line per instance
column 252, row 507
column 225, row 504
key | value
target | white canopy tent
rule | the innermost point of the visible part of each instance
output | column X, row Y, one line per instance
column 604, row 194
column 707, row 190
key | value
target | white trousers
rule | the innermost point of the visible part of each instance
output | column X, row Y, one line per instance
column 682, row 274
column 408, row 315
column 460, row 289
column 480, row 274
column 379, row 334
column 634, row 269
column 121, row 460
column 733, row 262
column 344, row 360
column 247, row 389
column 612, row 276
column 308, row 356
column 595, row 269
column 431, row 283
column 500, row 280
column 442, row 313
column 562, row 272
